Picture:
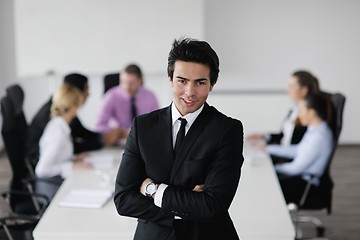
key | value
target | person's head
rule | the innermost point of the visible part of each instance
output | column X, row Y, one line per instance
column 314, row 108
column 302, row 83
column 131, row 79
column 193, row 69
column 79, row 81
column 65, row 101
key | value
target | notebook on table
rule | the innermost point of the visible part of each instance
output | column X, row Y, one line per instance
column 86, row 198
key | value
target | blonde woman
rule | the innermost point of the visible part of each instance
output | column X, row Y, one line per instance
column 56, row 146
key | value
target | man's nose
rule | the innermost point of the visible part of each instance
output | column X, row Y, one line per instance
column 190, row 90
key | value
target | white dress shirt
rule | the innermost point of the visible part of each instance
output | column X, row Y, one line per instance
column 310, row 156
column 56, row 149
column 289, row 126
column 190, row 118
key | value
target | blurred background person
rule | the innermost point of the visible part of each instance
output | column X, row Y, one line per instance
column 122, row 103
column 84, row 139
column 56, row 146
column 312, row 154
column 300, row 84
column 56, row 149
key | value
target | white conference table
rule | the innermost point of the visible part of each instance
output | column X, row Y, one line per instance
column 258, row 209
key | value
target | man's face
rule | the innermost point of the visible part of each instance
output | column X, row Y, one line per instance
column 190, row 85
column 130, row 83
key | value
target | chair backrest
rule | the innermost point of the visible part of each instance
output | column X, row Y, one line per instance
column 14, row 131
column 111, row 80
column 338, row 104
column 338, row 101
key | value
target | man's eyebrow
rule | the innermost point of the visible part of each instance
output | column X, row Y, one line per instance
column 201, row 79
column 197, row 80
column 183, row 78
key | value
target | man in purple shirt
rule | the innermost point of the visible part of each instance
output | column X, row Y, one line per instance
column 125, row 101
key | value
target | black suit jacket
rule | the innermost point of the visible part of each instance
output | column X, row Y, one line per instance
column 211, row 154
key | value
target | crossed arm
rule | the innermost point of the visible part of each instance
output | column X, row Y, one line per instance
column 204, row 202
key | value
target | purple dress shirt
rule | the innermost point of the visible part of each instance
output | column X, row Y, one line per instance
column 116, row 108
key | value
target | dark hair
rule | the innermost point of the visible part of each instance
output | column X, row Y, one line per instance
column 322, row 105
column 192, row 50
column 134, row 69
column 77, row 80
column 306, row 79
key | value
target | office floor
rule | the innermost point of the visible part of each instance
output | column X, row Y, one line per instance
column 342, row 224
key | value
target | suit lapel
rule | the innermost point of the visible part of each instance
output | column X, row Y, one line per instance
column 192, row 135
column 165, row 132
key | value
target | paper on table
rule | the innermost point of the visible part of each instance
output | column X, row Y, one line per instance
column 102, row 162
column 86, row 198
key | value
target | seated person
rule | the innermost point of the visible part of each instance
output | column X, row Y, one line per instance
column 84, row 139
column 300, row 85
column 312, row 154
column 56, row 148
column 124, row 102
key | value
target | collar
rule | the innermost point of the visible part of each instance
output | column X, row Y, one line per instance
column 312, row 128
column 190, row 117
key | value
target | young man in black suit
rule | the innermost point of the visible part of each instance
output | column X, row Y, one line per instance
column 183, row 191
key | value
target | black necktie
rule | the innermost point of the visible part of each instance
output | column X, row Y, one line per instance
column 180, row 136
column 133, row 108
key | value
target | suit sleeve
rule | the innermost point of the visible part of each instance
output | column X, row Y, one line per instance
column 84, row 139
column 220, row 185
column 128, row 199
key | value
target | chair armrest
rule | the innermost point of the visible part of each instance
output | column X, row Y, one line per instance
column 23, row 218
column 6, row 194
column 35, row 197
column 44, row 180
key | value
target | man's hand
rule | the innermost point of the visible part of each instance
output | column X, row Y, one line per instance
column 115, row 134
column 111, row 137
column 199, row 188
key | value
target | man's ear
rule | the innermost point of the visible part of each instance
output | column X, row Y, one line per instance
column 211, row 87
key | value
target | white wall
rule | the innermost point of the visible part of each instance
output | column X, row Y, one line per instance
column 262, row 42
column 7, row 48
column 96, row 36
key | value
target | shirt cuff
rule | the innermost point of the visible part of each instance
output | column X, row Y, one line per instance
column 159, row 194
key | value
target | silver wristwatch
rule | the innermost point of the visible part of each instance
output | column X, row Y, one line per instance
column 150, row 189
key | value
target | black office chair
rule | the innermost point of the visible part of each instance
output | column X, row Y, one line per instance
column 321, row 197
column 110, row 81
column 26, row 206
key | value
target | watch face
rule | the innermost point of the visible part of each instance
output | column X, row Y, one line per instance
column 151, row 188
